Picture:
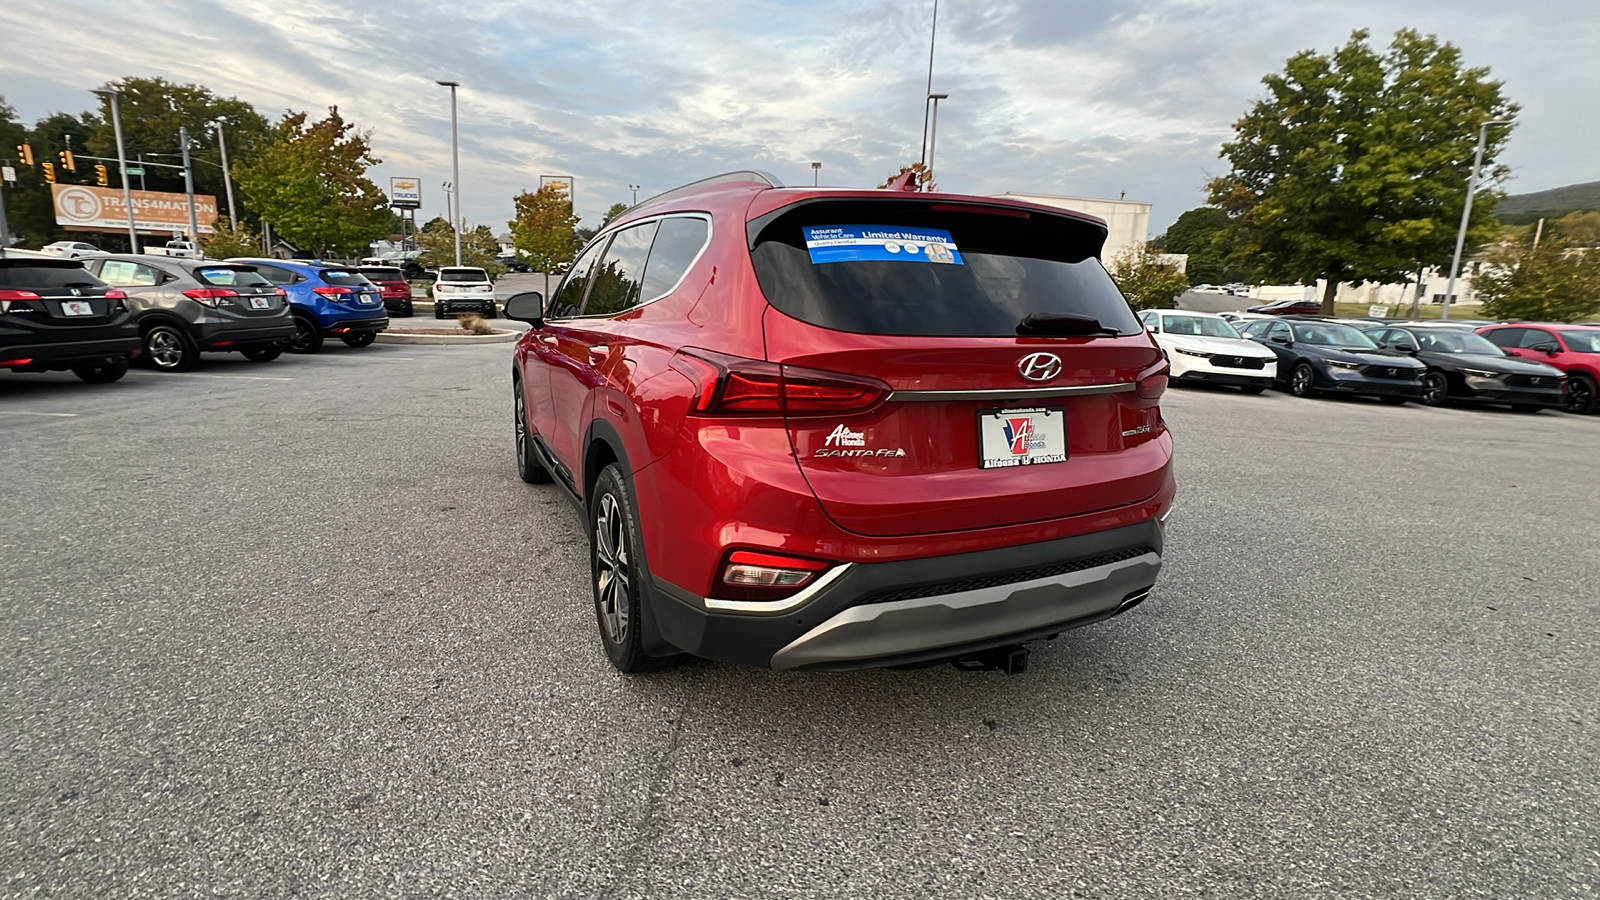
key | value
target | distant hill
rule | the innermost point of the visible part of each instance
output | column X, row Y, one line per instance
column 1525, row 209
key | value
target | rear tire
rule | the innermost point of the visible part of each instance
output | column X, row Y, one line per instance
column 491, row 312
column 360, row 338
column 1302, row 381
column 438, row 311
column 105, row 373
column 307, row 336
column 1251, row 389
column 170, row 350
column 262, row 354
column 615, row 573
column 528, row 466
column 1580, row 394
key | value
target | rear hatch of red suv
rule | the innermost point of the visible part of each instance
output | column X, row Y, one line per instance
column 1017, row 386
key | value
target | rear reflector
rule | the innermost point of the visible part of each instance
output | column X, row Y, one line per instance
column 732, row 385
column 750, row 575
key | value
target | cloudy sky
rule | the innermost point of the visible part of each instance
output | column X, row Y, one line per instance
column 1078, row 97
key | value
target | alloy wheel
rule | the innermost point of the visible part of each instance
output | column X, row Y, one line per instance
column 302, row 335
column 612, row 569
column 1580, row 394
column 1300, row 382
column 1434, row 389
column 165, row 348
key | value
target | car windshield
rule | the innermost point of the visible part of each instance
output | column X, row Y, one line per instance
column 463, row 275
column 383, row 273
column 912, row 267
column 1329, row 334
column 346, row 277
column 1582, row 341
column 1453, row 342
column 1204, row 326
column 28, row 277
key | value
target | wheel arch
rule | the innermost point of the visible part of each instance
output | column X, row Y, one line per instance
column 153, row 317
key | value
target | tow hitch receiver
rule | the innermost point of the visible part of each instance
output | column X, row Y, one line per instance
column 1011, row 659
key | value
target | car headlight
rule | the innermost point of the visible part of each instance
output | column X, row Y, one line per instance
column 1192, row 353
column 1341, row 364
column 1480, row 373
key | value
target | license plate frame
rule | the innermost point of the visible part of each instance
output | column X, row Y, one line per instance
column 1029, row 436
column 77, row 308
column 260, row 302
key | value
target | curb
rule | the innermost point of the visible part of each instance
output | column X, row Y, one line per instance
column 402, row 337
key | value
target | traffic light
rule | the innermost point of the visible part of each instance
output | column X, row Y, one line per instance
column 25, row 153
column 66, row 161
column 49, row 173
column 100, row 176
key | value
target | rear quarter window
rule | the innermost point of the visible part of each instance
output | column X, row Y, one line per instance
column 952, row 271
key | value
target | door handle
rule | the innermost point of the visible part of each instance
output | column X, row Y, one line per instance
column 599, row 353
column 548, row 341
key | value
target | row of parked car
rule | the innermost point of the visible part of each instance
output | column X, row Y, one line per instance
column 1525, row 365
column 95, row 314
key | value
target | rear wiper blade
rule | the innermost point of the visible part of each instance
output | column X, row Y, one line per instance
column 1061, row 323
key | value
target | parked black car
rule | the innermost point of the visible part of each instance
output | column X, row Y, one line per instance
column 1318, row 355
column 1465, row 366
column 55, row 315
column 183, row 307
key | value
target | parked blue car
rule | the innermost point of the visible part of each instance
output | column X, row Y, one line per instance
column 326, row 300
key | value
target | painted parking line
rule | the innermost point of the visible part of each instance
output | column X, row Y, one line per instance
column 215, row 375
column 24, row 412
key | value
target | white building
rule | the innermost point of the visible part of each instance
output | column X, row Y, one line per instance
column 1128, row 220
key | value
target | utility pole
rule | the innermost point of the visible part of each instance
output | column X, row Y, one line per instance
column 188, row 183
column 122, row 166
column 455, row 162
column 1466, row 214
column 933, row 32
column 5, row 227
column 933, row 136
column 227, row 176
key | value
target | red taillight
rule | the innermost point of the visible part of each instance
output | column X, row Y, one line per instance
column 1153, row 381
column 332, row 291
column 8, row 297
column 211, row 296
column 281, row 292
column 731, row 385
column 15, row 362
column 752, row 575
column 116, row 295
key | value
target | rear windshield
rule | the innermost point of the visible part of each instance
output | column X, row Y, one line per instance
column 915, row 267
column 231, row 276
column 382, row 273
column 463, row 275
column 32, row 275
column 347, row 277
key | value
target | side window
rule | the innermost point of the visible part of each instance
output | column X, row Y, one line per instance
column 1537, row 337
column 678, row 244
column 1504, row 337
column 618, row 277
column 1279, row 329
column 127, row 274
column 277, row 275
column 567, row 301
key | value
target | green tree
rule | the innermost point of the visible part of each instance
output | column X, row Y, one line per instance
column 478, row 247
column 310, row 183
column 227, row 242
column 545, row 228
column 30, row 208
column 1196, row 233
column 616, row 209
column 1354, row 165
column 1146, row 281
column 1555, row 283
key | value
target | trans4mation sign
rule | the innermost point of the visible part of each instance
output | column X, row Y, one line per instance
column 854, row 243
column 1021, row 437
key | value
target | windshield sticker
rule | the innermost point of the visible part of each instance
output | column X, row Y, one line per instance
column 854, row 243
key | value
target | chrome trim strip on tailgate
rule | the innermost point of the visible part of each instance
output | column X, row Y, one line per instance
column 1076, row 390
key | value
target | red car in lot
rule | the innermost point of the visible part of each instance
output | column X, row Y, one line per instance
column 392, row 284
column 1574, row 349
column 832, row 429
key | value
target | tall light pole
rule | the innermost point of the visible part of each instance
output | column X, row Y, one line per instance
column 933, row 136
column 635, row 189
column 933, row 32
column 122, row 167
column 455, row 162
column 227, row 176
column 816, row 173
column 449, row 209
column 1466, row 214
column 188, row 182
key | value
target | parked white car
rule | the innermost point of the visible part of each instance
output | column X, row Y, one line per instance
column 462, row 289
column 1205, row 347
column 72, row 249
column 178, row 249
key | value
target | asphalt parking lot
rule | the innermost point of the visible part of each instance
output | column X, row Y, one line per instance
column 297, row 629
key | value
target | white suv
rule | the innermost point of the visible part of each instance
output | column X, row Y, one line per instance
column 462, row 289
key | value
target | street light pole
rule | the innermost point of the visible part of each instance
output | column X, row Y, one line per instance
column 188, row 182
column 455, row 162
column 122, row 167
column 227, row 176
column 933, row 32
column 635, row 189
column 933, row 136
column 1466, row 214
column 816, row 173
column 449, row 209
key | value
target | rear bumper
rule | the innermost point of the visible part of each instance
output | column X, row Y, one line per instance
column 472, row 303
column 894, row 613
column 45, row 356
column 342, row 326
column 244, row 336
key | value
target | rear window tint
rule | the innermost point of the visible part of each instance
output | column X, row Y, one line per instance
column 231, row 276
column 471, row 275
column 383, row 273
column 46, row 276
column 346, row 277
column 950, row 272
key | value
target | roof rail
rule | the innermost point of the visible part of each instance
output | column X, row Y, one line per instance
column 725, row 178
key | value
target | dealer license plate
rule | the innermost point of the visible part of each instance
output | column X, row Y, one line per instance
column 260, row 302
column 1021, row 437
column 76, row 308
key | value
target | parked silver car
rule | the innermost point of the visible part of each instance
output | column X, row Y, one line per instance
column 184, row 307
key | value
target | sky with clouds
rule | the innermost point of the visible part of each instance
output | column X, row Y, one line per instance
column 1077, row 97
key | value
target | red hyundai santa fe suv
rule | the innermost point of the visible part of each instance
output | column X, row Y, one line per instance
column 832, row 429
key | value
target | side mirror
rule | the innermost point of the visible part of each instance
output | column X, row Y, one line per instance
column 1405, row 348
column 526, row 307
column 1280, row 339
column 1549, row 348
